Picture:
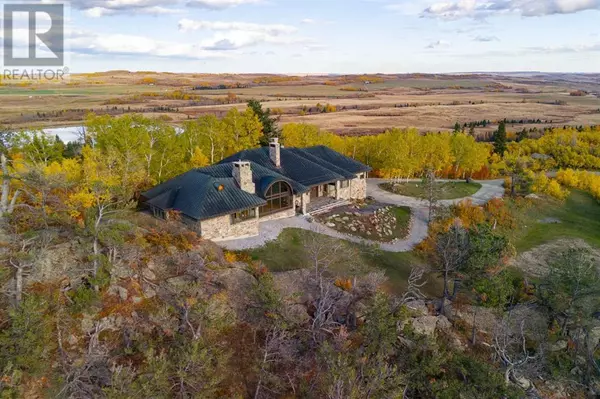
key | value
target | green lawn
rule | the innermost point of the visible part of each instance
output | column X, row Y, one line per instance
column 579, row 217
column 448, row 190
column 288, row 253
column 403, row 215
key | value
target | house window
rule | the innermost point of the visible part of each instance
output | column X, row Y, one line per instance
column 242, row 216
column 279, row 198
column 345, row 184
column 159, row 213
column 362, row 176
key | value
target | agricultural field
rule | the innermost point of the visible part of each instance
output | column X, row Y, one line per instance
column 348, row 105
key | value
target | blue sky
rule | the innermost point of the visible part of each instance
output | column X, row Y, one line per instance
column 335, row 36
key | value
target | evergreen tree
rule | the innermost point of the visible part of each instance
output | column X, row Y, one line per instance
column 522, row 135
column 457, row 128
column 270, row 128
column 500, row 139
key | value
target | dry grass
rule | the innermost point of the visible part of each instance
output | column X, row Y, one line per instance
column 437, row 102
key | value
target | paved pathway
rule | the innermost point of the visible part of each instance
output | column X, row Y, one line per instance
column 269, row 231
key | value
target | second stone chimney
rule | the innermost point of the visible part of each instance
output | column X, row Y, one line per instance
column 242, row 173
column 275, row 152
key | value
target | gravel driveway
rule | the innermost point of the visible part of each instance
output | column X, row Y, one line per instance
column 269, row 231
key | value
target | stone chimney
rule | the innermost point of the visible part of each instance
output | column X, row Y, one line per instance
column 242, row 173
column 275, row 152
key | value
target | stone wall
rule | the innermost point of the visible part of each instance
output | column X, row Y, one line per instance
column 220, row 228
column 358, row 187
column 279, row 215
column 346, row 193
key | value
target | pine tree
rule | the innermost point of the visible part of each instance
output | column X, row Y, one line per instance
column 270, row 128
column 500, row 139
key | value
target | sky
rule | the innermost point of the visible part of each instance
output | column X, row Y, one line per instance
column 334, row 36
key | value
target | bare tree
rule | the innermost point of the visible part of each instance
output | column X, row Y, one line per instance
column 87, row 378
column 415, row 283
column 432, row 192
column 276, row 348
column 451, row 252
column 22, row 261
column 7, row 205
column 510, row 347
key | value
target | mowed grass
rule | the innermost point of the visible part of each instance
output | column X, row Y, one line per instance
column 447, row 190
column 289, row 253
column 548, row 220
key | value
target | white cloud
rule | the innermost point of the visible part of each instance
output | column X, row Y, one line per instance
column 481, row 38
column 234, row 40
column 236, row 35
column 220, row 4
column 438, row 44
column 101, row 8
column 84, row 42
column 97, row 12
column 527, row 8
column 272, row 29
column 572, row 48
column 308, row 21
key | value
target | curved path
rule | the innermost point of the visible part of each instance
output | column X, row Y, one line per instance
column 269, row 231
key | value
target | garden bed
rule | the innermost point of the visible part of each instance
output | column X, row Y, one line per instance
column 376, row 222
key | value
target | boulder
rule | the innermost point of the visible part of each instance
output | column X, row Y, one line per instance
column 524, row 383
column 418, row 307
column 558, row 346
column 427, row 325
column 149, row 274
column 123, row 294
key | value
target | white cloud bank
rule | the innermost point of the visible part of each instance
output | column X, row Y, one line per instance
column 488, row 8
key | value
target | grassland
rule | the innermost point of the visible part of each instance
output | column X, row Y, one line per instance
column 445, row 190
column 427, row 102
column 547, row 220
column 289, row 253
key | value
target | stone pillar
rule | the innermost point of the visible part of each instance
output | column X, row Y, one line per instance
column 305, row 202
column 242, row 173
column 338, row 188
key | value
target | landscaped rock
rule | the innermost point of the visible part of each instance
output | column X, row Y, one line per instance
column 330, row 225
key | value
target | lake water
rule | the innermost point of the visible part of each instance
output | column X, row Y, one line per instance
column 66, row 134
column 73, row 133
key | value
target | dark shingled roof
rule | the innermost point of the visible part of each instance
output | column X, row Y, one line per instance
column 196, row 193
column 294, row 166
column 339, row 160
column 198, row 196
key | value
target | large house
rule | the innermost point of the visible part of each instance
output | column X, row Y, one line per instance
column 230, row 199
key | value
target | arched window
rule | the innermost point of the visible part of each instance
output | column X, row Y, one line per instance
column 279, row 198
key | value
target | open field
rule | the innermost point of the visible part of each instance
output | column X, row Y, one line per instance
column 548, row 220
column 363, row 104
column 288, row 253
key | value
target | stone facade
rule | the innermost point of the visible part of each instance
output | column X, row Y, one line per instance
column 358, row 187
column 221, row 228
column 279, row 215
